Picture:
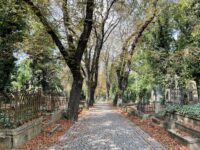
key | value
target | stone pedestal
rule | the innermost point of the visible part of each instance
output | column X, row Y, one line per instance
column 157, row 106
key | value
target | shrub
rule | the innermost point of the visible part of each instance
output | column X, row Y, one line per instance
column 190, row 110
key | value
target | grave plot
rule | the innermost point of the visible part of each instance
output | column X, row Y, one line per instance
column 23, row 115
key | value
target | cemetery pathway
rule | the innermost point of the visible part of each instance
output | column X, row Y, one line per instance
column 105, row 129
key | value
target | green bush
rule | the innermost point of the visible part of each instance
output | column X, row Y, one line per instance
column 5, row 121
column 190, row 110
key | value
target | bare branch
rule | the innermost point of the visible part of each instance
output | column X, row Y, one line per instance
column 107, row 34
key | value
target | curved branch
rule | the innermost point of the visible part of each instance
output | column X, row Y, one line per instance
column 143, row 27
column 48, row 28
column 82, row 43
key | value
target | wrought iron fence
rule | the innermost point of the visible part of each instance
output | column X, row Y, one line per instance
column 51, row 103
column 181, row 96
column 148, row 108
column 172, row 96
column 19, row 107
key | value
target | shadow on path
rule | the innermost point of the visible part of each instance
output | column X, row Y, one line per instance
column 105, row 129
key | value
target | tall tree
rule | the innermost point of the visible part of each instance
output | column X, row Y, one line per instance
column 106, row 61
column 43, row 54
column 74, row 51
column 12, row 26
column 102, row 29
column 125, row 65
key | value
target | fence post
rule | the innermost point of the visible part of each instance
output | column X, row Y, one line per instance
column 158, row 99
column 39, row 102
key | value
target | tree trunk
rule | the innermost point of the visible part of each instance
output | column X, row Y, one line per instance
column 44, row 82
column 107, row 90
column 72, row 55
column 75, row 96
column 91, row 96
column 115, row 99
column 88, row 94
column 92, row 63
column 122, row 85
column 126, row 55
column 107, row 78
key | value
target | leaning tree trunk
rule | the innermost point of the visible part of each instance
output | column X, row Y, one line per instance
column 115, row 99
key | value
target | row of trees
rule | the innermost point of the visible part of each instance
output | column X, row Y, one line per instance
column 167, row 54
column 51, row 27
column 134, row 45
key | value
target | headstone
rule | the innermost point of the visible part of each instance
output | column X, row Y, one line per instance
column 152, row 100
column 119, row 102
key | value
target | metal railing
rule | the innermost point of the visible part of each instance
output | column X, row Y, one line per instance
column 146, row 108
column 51, row 103
column 16, row 108
column 181, row 96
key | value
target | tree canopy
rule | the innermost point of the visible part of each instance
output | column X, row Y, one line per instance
column 99, row 48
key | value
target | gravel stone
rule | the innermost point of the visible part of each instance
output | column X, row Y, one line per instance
column 105, row 129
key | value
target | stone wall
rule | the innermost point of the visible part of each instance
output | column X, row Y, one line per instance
column 53, row 118
column 170, row 119
column 13, row 138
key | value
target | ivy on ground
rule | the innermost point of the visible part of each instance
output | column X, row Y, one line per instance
column 192, row 110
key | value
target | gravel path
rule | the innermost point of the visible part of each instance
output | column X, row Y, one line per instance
column 105, row 129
